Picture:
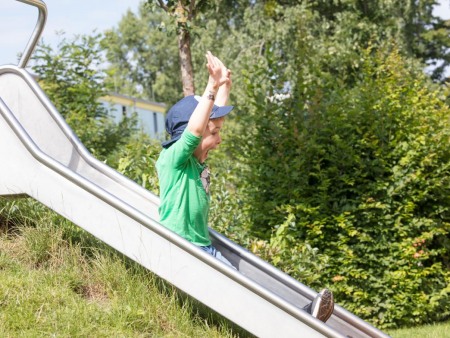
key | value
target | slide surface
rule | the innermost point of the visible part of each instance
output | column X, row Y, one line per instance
column 43, row 158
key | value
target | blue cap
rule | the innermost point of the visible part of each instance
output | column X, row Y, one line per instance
column 178, row 117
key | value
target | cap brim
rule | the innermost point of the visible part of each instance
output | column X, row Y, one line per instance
column 217, row 111
column 220, row 111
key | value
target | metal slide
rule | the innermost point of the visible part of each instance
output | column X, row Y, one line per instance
column 43, row 158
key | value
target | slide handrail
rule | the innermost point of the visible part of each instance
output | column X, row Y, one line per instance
column 38, row 29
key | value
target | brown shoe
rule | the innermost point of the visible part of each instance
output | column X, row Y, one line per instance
column 323, row 305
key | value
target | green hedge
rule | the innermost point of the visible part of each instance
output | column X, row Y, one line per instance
column 361, row 177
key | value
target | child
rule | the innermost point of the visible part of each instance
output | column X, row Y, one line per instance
column 194, row 124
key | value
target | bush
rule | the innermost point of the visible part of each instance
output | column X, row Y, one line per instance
column 72, row 78
column 136, row 160
column 361, row 173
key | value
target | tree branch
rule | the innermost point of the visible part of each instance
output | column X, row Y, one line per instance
column 163, row 6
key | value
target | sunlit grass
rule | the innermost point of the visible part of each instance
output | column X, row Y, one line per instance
column 57, row 280
column 441, row 330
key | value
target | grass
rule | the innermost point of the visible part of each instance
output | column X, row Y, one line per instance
column 427, row 331
column 57, row 280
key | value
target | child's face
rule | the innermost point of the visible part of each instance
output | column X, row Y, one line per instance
column 210, row 140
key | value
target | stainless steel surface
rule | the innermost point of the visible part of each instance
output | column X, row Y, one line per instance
column 40, row 24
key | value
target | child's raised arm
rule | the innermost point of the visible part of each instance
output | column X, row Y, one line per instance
column 217, row 77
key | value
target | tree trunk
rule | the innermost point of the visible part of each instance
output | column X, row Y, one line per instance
column 182, row 16
column 187, row 73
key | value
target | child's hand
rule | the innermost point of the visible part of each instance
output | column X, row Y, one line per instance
column 218, row 73
column 228, row 80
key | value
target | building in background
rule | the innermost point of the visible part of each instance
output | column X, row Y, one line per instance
column 150, row 115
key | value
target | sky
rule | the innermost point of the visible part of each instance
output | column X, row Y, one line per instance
column 17, row 21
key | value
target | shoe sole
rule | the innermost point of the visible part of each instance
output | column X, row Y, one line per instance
column 323, row 305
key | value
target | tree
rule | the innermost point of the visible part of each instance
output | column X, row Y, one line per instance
column 183, row 12
column 411, row 24
column 142, row 58
column 138, row 48
column 71, row 77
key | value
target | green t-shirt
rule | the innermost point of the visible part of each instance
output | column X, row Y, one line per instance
column 184, row 202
